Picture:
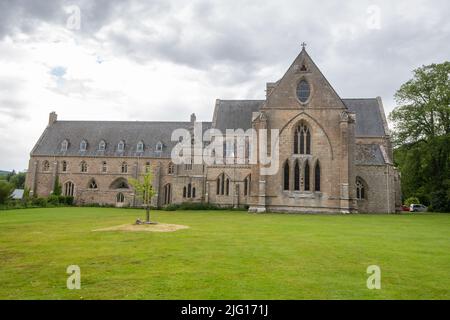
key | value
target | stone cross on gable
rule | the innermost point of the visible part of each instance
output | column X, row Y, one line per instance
column 303, row 45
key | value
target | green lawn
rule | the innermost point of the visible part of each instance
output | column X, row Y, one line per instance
column 223, row 255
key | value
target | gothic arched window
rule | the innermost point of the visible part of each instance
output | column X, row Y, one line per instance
column 171, row 168
column 184, row 192
column 303, row 91
column 68, row 189
column 317, row 177
column 189, row 190
column 124, row 167
column 286, row 176
column 227, row 191
column 297, row 176
column 360, row 189
column 167, row 193
column 193, row 192
column 46, row 166
column 120, row 198
column 306, row 176
column 83, row 166
column 218, row 185
column 247, row 185
column 302, row 140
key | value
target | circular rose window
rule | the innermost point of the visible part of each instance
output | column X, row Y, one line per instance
column 303, row 91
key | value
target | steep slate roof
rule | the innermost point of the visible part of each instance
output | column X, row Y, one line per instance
column 235, row 114
column 369, row 118
column 112, row 132
column 368, row 154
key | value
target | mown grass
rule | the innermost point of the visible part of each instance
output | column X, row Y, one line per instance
column 223, row 255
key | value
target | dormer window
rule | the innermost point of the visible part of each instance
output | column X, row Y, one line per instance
column 102, row 145
column 121, row 146
column 159, row 146
column 64, row 145
column 83, row 145
column 303, row 91
column 140, row 146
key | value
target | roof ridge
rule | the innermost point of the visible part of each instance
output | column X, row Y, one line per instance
column 359, row 98
column 242, row 100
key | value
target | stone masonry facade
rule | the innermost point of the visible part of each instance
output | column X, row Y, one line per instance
column 335, row 155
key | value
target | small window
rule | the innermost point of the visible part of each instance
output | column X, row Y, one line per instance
column 124, row 167
column 104, row 167
column 83, row 166
column 93, row 184
column 46, row 166
column 64, row 145
column 147, row 167
column 64, row 166
column 140, row 146
column 188, row 166
column 360, row 189
column 121, row 146
column 247, row 185
column 171, row 168
column 83, row 145
column 102, row 145
column 303, row 91
column 159, row 146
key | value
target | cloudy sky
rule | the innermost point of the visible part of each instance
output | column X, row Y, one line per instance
column 162, row 60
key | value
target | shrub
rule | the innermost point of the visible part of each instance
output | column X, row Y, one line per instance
column 5, row 191
column 68, row 200
column 39, row 202
column 53, row 200
column 411, row 200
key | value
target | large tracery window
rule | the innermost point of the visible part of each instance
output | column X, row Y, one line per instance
column 303, row 91
column 302, row 140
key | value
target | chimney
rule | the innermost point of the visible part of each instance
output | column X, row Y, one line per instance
column 52, row 118
column 193, row 118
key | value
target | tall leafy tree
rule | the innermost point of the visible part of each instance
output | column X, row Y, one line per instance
column 423, row 110
column 421, row 132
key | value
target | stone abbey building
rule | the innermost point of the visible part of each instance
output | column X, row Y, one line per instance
column 335, row 154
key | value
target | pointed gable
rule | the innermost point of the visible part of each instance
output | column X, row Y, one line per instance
column 305, row 72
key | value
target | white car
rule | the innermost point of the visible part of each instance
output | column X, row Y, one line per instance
column 417, row 208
